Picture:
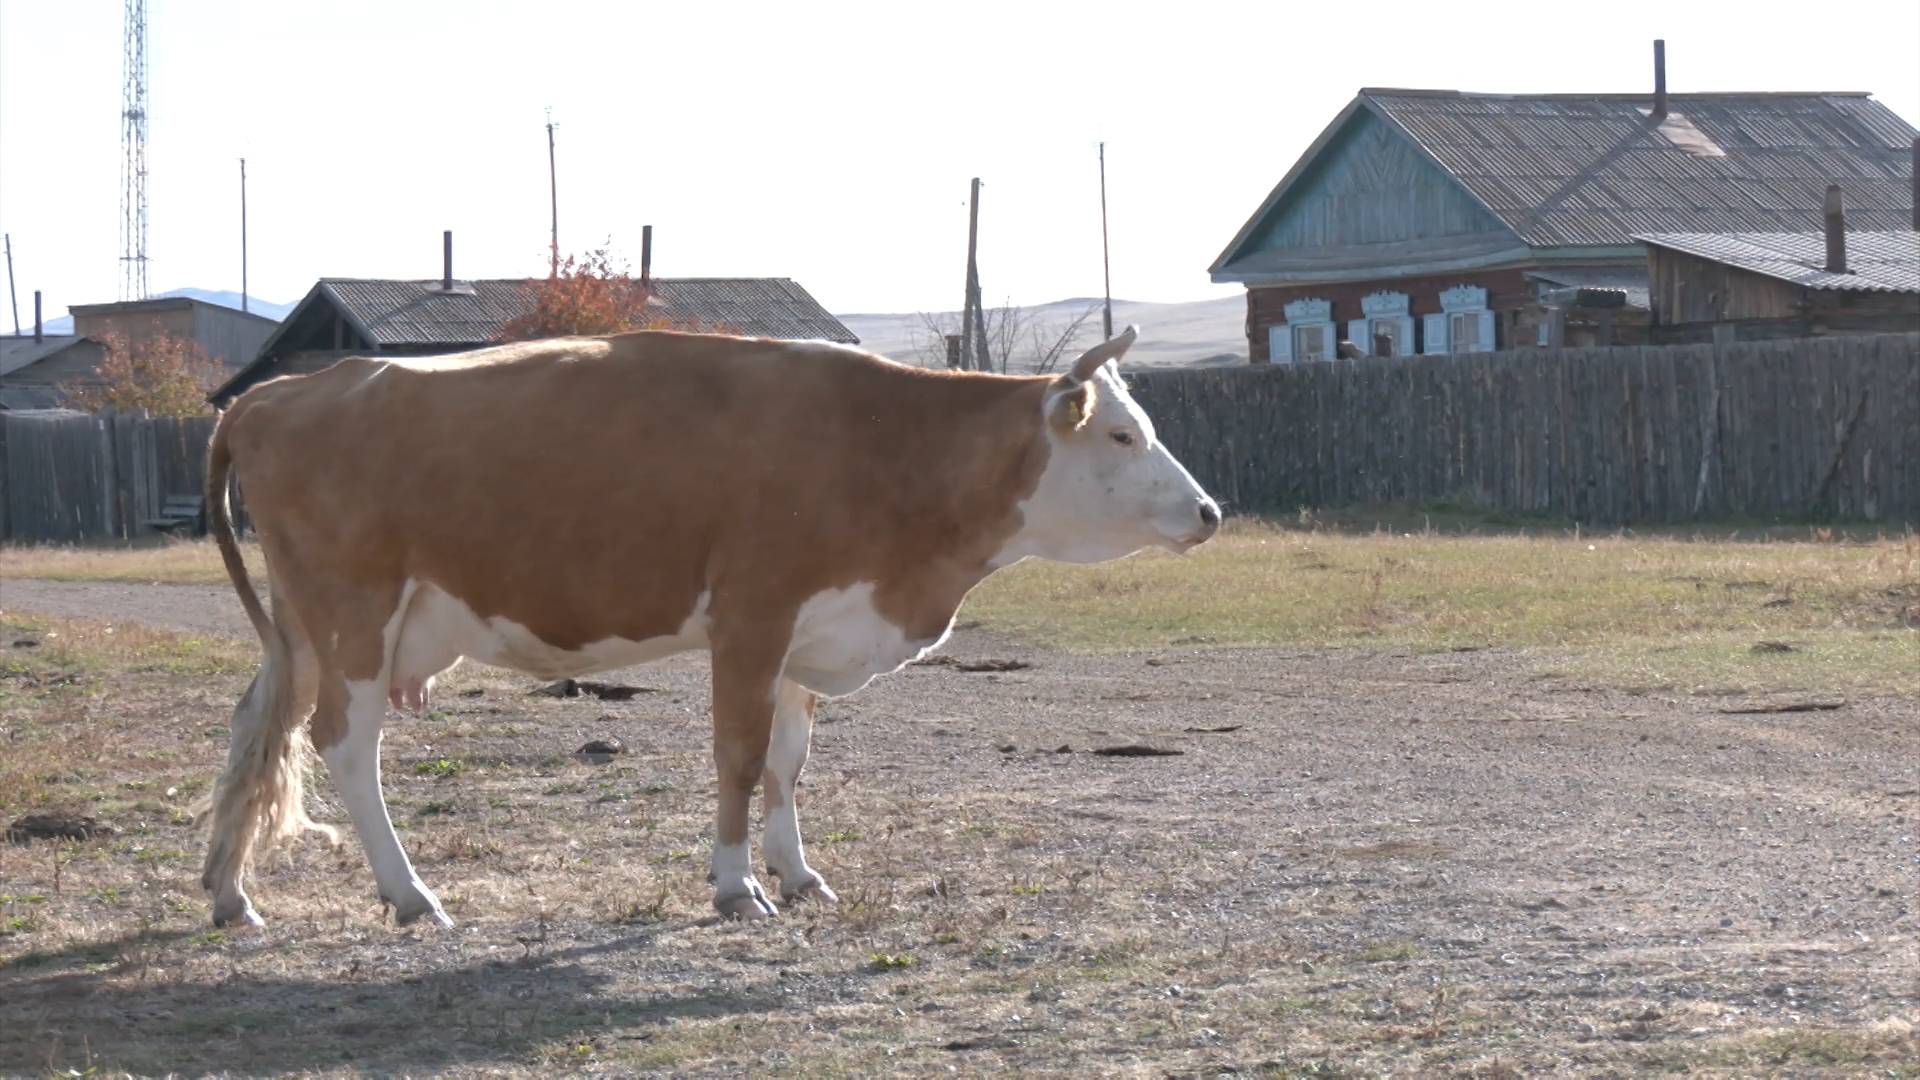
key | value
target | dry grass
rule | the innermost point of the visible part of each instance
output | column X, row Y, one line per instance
column 169, row 562
column 1036, row 926
column 1652, row 612
column 1647, row 611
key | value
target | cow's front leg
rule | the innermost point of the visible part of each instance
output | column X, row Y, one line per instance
column 786, row 756
column 745, row 678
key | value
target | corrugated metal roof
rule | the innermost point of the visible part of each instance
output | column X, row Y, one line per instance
column 397, row 314
column 1575, row 170
column 18, row 352
column 1632, row 282
column 1886, row 261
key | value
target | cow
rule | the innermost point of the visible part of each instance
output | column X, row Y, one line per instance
column 809, row 514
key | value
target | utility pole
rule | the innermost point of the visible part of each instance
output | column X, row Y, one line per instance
column 243, row 234
column 1106, row 274
column 553, row 190
column 970, row 309
column 974, row 319
column 11, row 298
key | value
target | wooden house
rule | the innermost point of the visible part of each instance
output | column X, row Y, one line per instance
column 342, row 317
column 1433, row 221
column 1756, row 285
column 34, row 369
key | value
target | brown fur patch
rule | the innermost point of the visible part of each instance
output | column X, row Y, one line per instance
column 590, row 489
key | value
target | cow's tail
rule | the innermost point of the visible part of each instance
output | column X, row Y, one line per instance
column 260, row 798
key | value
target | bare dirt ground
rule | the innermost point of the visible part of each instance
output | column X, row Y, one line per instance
column 1357, row 863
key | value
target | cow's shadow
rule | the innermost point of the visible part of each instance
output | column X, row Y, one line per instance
column 479, row 1013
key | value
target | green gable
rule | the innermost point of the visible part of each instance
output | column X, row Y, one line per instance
column 1370, row 185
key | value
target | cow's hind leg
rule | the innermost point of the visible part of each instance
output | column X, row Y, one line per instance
column 786, row 756
column 260, row 798
column 744, row 678
column 353, row 712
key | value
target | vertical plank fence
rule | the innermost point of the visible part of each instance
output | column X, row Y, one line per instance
column 1825, row 428
column 1809, row 429
column 68, row 477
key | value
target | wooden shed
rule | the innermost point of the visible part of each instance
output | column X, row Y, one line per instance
column 1461, row 222
column 1754, row 286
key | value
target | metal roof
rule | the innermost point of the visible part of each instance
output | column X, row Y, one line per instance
column 1629, row 280
column 1564, row 169
column 394, row 314
column 1581, row 174
column 1876, row 261
column 19, row 352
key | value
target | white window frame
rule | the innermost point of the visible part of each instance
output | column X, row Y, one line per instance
column 1390, row 311
column 1309, row 315
column 1461, row 301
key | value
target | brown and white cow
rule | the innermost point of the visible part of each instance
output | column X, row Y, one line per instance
column 810, row 514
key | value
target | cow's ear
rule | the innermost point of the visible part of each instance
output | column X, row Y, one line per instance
column 1111, row 349
column 1071, row 405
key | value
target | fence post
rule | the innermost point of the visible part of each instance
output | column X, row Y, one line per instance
column 109, row 478
column 6, row 489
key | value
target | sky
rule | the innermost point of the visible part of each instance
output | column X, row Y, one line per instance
column 827, row 142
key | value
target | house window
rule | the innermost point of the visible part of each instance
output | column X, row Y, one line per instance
column 1462, row 325
column 1308, row 333
column 1309, row 343
column 1387, row 329
column 1463, row 333
column 1383, row 338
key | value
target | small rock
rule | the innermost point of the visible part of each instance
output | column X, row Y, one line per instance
column 602, row 748
column 58, row 826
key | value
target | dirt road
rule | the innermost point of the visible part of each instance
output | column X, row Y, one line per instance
column 1376, row 862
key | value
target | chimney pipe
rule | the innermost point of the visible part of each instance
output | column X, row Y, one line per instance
column 446, row 261
column 646, row 244
column 1836, row 231
column 1659, row 78
column 39, row 335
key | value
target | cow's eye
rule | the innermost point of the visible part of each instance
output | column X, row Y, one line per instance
column 1124, row 438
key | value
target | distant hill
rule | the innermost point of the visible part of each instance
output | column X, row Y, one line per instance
column 1199, row 333
column 223, row 297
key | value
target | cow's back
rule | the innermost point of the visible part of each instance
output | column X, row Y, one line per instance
column 530, row 480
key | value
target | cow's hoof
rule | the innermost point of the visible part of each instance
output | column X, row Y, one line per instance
column 807, row 888
column 409, row 909
column 752, row 904
column 440, row 919
column 243, row 919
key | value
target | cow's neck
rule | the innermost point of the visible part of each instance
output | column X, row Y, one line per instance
column 980, row 455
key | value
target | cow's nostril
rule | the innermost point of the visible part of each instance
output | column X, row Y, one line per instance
column 1209, row 513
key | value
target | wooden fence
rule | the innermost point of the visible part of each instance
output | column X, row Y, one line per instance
column 1769, row 430
column 1794, row 430
column 69, row 477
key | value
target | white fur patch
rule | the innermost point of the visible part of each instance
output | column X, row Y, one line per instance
column 841, row 641
column 440, row 628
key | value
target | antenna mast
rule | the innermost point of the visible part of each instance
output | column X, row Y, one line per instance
column 133, row 163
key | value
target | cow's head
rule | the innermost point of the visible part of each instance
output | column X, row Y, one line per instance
column 1109, row 488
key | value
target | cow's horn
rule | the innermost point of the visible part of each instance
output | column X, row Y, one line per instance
column 1111, row 349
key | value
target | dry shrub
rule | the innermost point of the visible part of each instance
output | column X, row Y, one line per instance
column 161, row 373
column 588, row 295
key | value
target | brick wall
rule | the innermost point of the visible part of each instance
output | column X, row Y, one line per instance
column 1507, row 291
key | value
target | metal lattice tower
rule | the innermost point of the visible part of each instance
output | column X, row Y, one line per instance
column 133, row 162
